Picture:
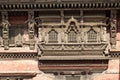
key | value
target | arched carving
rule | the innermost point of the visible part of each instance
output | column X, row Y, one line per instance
column 53, row 36
column 72, row 36
column 92, row 35
column 72, row 30
column 72, row 23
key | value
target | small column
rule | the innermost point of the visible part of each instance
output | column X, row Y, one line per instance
column 40, row 34
column 81, row 25
column 103, row 32
column 113, row 29
column 31, row 30
column 81, row 16
column 5, row 25
column 62, row 17
column 62, row 23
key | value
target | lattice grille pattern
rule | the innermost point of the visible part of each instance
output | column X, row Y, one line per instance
column 53, row 36
column 72, row 36
column 10, row 56
column 92, row 36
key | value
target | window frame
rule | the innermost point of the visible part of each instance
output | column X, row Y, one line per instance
column 92, row 36
column 72, row 36
column 52, row 36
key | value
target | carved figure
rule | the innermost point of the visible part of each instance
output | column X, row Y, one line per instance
column 6, row 25
column 31, row 24
column 113, row 33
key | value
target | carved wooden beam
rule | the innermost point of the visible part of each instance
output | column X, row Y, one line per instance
column 17, row 74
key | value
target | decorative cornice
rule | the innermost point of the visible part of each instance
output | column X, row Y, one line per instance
column 77, row 46
column 57, row 5
column 68, row 50
column 57, row 1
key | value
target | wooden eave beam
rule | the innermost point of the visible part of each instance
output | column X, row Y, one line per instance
column 73, row 58
column 59, row 68
column 17, row 74
column 57, row 5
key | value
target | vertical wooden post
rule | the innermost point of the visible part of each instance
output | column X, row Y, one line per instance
column 31, row 30
column 5, row 25
column 113, row 29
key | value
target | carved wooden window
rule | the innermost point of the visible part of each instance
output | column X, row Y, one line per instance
column 0, row 36
column 53, row 36
column 92, row 35
column 72, row 36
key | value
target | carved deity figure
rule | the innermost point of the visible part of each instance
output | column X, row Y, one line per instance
column 31, row 24
column 113, row 32
column 6, row 25
column 31, row 29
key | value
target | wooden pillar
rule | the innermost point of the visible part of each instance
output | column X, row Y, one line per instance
column 113, row 29
column 5, row 31
column 62, row 23
column 62, row 17
column 31, row 30
column 81, row 25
